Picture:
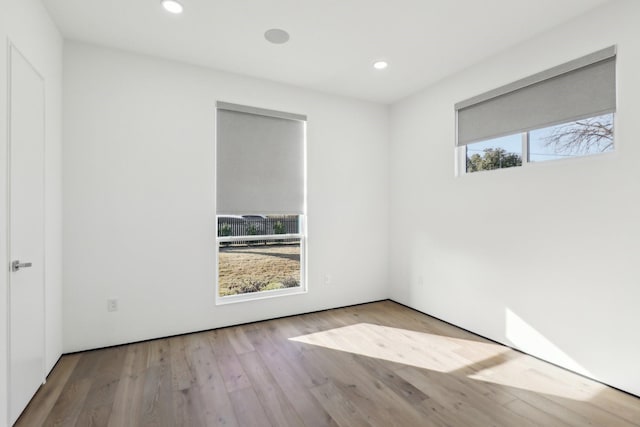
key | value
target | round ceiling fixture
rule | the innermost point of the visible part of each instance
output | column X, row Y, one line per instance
column 380, row 65
column 172, row 6
column 276, row 36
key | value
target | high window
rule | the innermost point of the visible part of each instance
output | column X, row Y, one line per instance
column 260, row 202
column 566, row 111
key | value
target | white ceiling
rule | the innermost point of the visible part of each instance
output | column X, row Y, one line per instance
column 333, row 42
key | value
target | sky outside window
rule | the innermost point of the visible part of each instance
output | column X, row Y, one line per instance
column 579, row 138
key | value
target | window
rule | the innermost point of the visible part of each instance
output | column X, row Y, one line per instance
column 497, row 153
column 577, row 138
column 260, row 203
column 584, row 137
column 567, row 111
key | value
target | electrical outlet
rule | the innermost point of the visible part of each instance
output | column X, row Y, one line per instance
column 328, row 280
column 112, row 304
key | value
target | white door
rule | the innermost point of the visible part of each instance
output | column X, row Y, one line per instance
column 26, row 234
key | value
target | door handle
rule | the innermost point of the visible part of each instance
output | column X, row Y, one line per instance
column 17, row 265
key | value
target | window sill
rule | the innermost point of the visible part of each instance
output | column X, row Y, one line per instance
column 254, row 296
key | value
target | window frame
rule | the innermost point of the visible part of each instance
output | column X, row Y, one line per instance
column 579, row 89
column 253, row 296
column 462, row 153
column 302, row 218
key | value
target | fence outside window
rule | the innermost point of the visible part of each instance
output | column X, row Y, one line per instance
column 257, row 225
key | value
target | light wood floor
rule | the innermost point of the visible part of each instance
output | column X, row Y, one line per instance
column 377, row 364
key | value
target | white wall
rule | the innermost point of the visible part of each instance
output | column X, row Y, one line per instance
column 544, row 257
column 27, row 25
column 139, row 200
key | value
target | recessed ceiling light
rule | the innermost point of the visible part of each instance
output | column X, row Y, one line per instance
column 276, row 36
column 380, row 65
column 172, row 6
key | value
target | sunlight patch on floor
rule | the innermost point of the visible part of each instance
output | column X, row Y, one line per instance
column 480, row 361
column 518, row 373
column 419, row 349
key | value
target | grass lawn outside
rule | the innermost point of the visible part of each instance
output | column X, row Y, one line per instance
column 243, row 269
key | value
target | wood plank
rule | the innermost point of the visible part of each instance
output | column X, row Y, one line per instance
column 182, row 376
column 339, row 407
column 156, row 394
column 382, row 371
column 461, row 401
column 378, row 364
column 277, row 406
column 230, row 367
column 210, row 396
column 239, row 340
column 187, row 407
column 571, row 412
column 43, row 402
column 293, row 379
column 70, row 404
column 68, row 407
column 622, row 405
column 283, row 334
column 248, row 409
column 127, row 404
column 381, row 405
column 98, row 404
column 535, row 415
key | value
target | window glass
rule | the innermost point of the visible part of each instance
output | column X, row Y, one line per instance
column 578, row 138
column 258, row 253
column 497, row 153
column 259, row 267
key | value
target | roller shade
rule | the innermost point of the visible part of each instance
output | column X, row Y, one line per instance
column 259, row 160
column 582, row 88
